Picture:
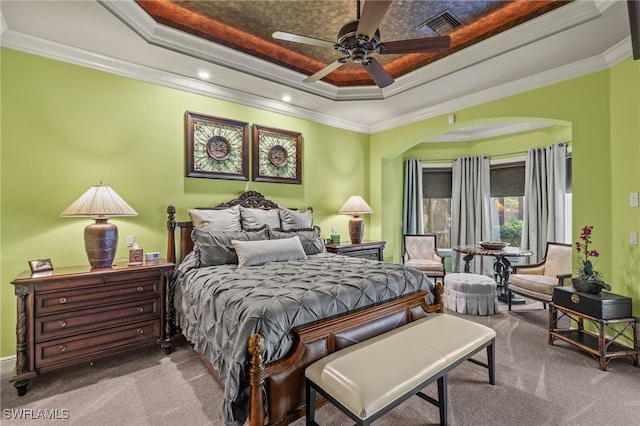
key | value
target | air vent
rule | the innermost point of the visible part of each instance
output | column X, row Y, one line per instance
column 441, row 24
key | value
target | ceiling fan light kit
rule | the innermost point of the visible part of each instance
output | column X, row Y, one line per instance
column 359, row 39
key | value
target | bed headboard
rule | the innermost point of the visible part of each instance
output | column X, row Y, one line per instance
column 249, row 199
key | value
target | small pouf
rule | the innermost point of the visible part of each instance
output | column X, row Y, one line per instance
column 470, row 294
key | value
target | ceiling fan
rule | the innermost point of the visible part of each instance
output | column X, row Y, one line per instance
column 360, row 38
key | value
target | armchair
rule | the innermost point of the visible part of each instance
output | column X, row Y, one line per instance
column 539, row 280
column 420, row 252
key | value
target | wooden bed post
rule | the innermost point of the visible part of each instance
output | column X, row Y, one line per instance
column 256, row 379
column 439, row 291
column 171, row 240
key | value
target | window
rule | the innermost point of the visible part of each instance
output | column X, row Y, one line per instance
column 507, row 202
column 436, row 187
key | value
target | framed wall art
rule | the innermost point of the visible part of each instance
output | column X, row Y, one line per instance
column 277, row 155
column 217, row 148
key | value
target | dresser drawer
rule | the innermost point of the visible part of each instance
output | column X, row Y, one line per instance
column 66, row 324
column 70, row 350
column 65, row 300
column 371, row 254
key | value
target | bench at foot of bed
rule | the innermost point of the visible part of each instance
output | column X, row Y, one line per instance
column 370, row 378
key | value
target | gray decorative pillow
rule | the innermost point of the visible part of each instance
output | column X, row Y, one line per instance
column 223, row 220
column 254, row 253
column 213, row 247
column 257, row 218
column 309, row 238
column 294, row 219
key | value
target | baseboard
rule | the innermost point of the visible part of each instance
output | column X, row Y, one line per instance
column 7, row 364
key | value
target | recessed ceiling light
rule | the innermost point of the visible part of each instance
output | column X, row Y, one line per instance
column 204, row 75
column 286, row 98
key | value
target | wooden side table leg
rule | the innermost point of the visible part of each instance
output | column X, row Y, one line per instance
column 636, row 337
column 602, row 347
column 22, row 360
column 167, row 342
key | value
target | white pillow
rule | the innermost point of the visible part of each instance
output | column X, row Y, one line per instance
column 257, row 218
column 253, row 253
column 222, row 220
column 293, row 219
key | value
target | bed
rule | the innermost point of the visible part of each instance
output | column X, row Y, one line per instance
column 259, row 299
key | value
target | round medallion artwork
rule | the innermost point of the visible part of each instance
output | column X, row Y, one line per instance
column 219, row 148
column 278, row 156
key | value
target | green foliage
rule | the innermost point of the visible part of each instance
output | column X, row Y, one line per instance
column 511, row 232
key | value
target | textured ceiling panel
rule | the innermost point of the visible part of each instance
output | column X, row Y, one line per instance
column 247, row 26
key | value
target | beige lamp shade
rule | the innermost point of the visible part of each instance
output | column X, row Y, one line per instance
column 100, row 238
column 356, row 205
column 99, row 200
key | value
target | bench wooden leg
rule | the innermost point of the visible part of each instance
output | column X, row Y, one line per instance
column 442, row 399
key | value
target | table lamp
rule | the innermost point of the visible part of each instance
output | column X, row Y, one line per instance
column 356, row 205
column 100, row 238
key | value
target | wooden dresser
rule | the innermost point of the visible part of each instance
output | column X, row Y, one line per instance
column 77, row 314
column 372, row 250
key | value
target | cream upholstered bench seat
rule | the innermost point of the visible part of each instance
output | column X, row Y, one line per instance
column 470, row 294
column 370, row 378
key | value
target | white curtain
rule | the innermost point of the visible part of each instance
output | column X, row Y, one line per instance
column 544, row 195
column 471, row 211
column 412, row 222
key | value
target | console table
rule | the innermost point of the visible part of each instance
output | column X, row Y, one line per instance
column 599, row 345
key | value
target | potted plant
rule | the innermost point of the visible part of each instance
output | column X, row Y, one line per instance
column 589, row 280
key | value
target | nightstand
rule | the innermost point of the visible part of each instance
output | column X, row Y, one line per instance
column 372, row 250
column 74, row 315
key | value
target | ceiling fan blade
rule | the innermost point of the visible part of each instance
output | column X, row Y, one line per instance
column 378, row 74
column 303, row 39
column 324, row 71
column 418, row 45
column 372, row 13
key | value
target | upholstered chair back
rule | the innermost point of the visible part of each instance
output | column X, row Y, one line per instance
column 558, row 260
column 420, row 247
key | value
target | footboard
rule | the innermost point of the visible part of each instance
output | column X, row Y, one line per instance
column 284, row 379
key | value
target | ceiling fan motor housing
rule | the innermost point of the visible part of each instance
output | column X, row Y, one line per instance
column 355, row 46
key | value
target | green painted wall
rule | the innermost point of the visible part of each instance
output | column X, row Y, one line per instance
column 597, row 113
column 625, row 177
column 65, row 128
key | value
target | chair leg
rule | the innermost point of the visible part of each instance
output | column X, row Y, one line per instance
column 509, row 299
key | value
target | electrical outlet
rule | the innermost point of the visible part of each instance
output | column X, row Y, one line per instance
column 131, row 240
column 633, row 239
column 633, row 199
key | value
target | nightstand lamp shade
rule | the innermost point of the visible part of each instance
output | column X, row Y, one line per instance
column 100, row 238
column 356, row 205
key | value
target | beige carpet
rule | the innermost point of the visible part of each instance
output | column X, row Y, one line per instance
column 536, row 384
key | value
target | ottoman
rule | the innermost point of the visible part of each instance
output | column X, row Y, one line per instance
column 470, row 294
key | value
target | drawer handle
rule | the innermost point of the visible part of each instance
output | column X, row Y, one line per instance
column 140, row 288
column 63, row 300
column 140, row 331
column 62, row 348
column 62, row 324
column 140, row 309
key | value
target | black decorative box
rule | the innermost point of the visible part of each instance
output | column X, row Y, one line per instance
column 602, row 306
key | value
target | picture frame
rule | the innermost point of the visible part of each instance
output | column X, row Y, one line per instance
column 216, row 148
column 277, row 155
column 40, row 265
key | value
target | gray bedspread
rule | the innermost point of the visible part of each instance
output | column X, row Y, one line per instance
column 219, row 307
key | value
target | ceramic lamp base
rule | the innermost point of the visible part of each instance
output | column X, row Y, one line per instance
column 356, row 229
column 100, row 243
